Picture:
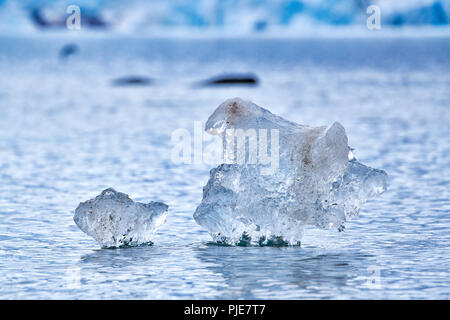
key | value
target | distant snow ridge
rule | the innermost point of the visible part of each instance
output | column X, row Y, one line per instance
column 114, row 220
column 243, row 16
column 318, row 182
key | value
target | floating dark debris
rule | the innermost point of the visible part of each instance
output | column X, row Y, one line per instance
column 68, row 50
column 132, row 81
column 231, row 79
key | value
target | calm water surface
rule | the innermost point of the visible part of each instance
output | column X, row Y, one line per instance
column 66, row 134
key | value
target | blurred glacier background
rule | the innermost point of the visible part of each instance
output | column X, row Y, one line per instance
column 84, row 110
column 233, row 17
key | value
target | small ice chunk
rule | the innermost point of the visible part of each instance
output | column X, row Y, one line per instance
column 114, row 220
column 317, row 180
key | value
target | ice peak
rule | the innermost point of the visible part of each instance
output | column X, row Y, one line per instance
column 314, row 182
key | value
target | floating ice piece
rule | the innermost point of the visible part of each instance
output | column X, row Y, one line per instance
column 114, row 220
column 317, row 180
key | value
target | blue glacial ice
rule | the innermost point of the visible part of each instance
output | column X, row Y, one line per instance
column 114, row 220
column 317, row 180
column 139, row 16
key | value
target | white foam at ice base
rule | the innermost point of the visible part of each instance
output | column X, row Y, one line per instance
column 114, row 220
column 315, row 184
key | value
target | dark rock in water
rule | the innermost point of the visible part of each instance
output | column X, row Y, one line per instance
column 231, row 79
column 132, row 81
column 68, row 50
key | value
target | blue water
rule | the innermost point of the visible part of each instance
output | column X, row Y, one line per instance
column 66, row 134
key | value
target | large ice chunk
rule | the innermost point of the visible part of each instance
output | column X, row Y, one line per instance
column 316, row 180
column 114, row 220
